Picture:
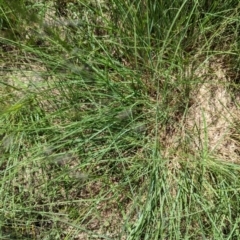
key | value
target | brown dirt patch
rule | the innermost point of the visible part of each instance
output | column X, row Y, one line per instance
column 210, row 118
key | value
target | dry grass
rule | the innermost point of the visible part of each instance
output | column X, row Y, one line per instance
column 213, row 113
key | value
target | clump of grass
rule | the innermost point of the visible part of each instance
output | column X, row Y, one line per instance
column 94, row 142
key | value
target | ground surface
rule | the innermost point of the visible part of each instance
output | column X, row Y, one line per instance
column 119, row 120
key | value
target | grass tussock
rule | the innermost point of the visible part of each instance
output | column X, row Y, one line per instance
column 119, row 119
